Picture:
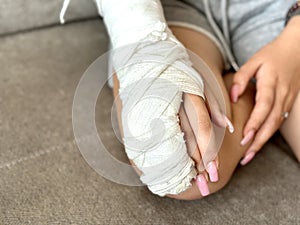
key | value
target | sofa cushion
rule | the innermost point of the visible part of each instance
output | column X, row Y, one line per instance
column 19, row 15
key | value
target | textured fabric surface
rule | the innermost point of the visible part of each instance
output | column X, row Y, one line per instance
column 265, row 17
column 45, row 180
column 19, row 15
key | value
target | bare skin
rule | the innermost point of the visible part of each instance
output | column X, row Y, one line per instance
column 231, row 151
column 290, row 129
column 277, row 71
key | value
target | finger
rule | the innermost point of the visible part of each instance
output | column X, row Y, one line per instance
column 264, row 102
column 199, row 119
column 202, row 128
column 268, row 128
column 214, row 108
column 193, row 150
column 218, row 117
column 242, row 77
column 191, row 144
column 202, row 184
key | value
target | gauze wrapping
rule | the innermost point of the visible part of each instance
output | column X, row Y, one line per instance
column 154, row 70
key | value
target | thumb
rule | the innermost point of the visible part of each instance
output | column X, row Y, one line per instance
column 241, row 78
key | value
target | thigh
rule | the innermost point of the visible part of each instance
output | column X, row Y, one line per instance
column 231, row 151
column 289, row 129
column 190, row 14
column 208, row 51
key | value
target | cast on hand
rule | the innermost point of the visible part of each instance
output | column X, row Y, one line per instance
column 154, row 71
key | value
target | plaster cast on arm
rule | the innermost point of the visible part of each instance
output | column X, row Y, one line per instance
column 153, row 70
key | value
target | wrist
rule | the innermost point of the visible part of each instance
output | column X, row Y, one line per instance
column 294, row 22
column 292, row 29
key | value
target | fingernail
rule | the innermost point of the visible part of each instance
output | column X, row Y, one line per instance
column 247, row 138
column 247, row 158
column 213, row 171
column 202, row 185
column 234, row 93
column 229, row 124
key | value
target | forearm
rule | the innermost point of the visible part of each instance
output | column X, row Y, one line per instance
column 149, row 57
column 129, row 21
column 291, row 32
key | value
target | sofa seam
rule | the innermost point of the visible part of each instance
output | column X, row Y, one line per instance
column 47, row 26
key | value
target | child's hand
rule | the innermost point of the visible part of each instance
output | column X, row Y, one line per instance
column 276, row 68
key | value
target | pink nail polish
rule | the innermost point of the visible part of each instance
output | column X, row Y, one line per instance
column 212, row 171
column 247, row 158
column 229, row 124
column 247, row 138
column 234, row 93
column 202, row 185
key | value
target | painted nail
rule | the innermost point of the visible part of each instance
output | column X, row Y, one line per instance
column 229, row 124
column 247, row 138
column 247, row 158
column 234, row 93
column 202, row 185
column 212, row 171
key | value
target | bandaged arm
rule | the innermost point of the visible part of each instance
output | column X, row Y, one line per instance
column 153, row 71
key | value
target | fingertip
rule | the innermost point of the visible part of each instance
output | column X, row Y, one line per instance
column 212, row 170
column 248, row 158
column 235, row 93
column 247, row 137
column 229, row 124
column 217, row 162
column 202, row 184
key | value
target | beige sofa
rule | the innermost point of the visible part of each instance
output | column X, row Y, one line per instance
column 44, row 178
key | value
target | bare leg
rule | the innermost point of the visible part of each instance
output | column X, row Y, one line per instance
column 231, row 152
column 290, row 129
